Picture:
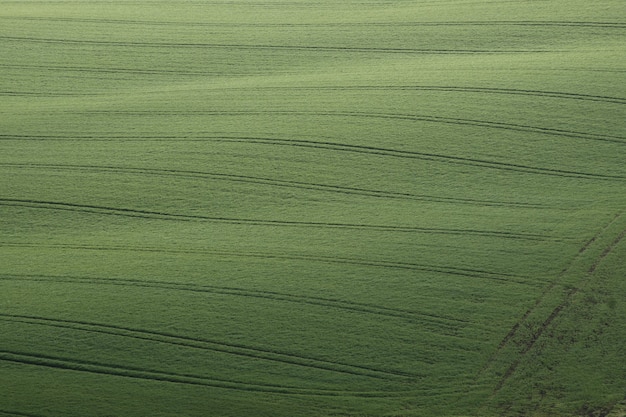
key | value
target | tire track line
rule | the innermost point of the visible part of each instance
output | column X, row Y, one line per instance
column 437, row 322
column 277, row 183
column 440, row 269
column 18, row 413
column 43, row 94
column 494, row 125
column 417, row 118
column 93, row 367
column 105, row 70
column 386, row 152
column 158, row 215
column 552, row 285
column 432, row 157
column 592, row 24
column 459, row 89
column 557, row 310
column 309, row 48
column 606, row 251
column 439, row 158
column 529, row 345
column 443, row 88
column 211, row 345
column 366, row 115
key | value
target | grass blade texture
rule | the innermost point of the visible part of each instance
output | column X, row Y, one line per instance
column 312, row 208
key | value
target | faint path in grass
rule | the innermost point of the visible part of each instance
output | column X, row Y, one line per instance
column 213, row 346
column 160, row 215
column 274, row 182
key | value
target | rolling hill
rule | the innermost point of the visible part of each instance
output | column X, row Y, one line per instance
column 312, row 208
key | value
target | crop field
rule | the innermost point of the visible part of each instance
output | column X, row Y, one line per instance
column 312, row 208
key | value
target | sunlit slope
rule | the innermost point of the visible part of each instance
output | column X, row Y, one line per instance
column 311, row 208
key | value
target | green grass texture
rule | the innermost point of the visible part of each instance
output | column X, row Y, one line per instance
column 312, row 208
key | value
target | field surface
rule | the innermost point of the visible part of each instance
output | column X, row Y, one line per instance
column 312, row 208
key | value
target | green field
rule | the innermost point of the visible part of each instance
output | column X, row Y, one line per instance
column 312, row 208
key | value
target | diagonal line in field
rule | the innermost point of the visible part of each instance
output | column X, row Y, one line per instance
column 557, row 309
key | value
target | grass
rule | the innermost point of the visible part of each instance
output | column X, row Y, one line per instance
column 312, row 209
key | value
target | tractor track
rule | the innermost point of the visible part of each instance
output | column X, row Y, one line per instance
column 309, row 186
column 265, row 47
column 110, row 369
column 363, row 115
column 160, row 215
column 548, row 23
column 569, row 294
column 436, row 322
column 384, row 152
column 211, row 346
